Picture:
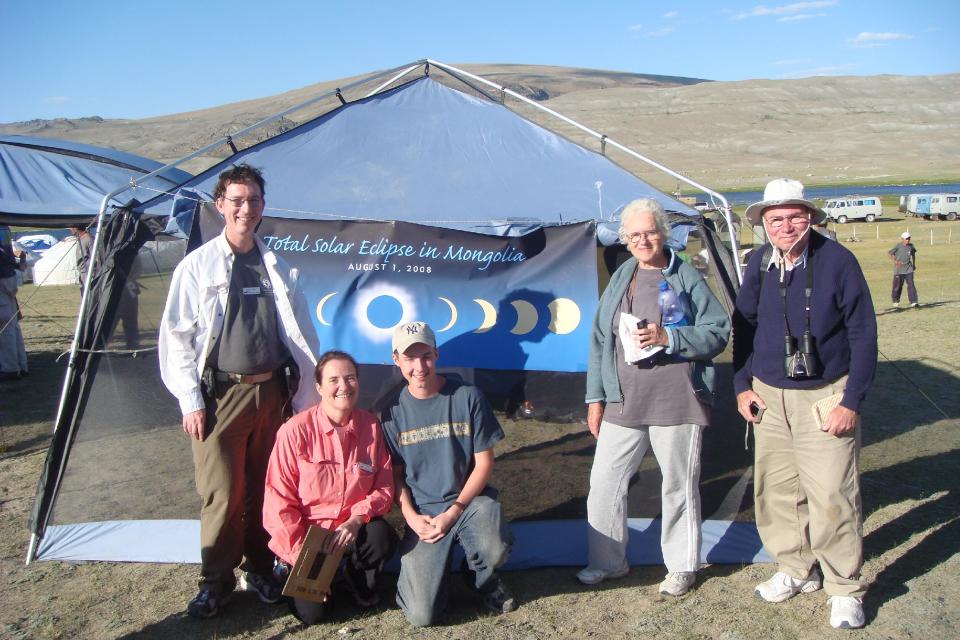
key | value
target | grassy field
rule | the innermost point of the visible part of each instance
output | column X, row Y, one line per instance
column 911, row 505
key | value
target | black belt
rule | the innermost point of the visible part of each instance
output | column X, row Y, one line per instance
column 242, row 378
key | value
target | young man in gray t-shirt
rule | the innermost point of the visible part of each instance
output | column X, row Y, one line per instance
column 441, row 434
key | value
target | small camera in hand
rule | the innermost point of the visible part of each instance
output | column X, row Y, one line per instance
column 802, row 363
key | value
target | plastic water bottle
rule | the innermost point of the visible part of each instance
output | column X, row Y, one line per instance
column 671, row 309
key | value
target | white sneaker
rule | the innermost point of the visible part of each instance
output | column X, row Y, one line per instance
column 783, row 587
column 590, row 576
column 846, row 612
column 896, row 304
column 677, row 584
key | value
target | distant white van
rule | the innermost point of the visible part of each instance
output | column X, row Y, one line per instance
column 853, row 208
column 933, row 205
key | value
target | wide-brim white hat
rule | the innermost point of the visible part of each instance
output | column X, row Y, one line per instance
column 783, row 191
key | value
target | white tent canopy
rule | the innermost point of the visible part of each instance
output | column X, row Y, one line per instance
column 58, row 265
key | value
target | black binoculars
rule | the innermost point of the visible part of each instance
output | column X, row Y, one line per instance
column 802, row 363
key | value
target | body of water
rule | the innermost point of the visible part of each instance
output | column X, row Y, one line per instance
column 819, row 193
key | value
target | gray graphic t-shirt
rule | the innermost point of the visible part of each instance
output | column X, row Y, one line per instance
column 435, row 439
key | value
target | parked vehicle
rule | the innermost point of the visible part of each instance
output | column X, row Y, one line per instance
column 933, row 205
column 853, row 208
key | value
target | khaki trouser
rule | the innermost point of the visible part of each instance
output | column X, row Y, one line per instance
column 230, row 466
column 807, row 490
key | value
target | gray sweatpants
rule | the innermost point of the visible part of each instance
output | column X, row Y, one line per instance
column 619, row 453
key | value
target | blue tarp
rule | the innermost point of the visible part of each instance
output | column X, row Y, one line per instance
column 47, row 182
column 429, row 154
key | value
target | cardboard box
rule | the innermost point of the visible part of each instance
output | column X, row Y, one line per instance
column 310, row 578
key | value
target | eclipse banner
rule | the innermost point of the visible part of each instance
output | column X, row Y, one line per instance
column 494, row 302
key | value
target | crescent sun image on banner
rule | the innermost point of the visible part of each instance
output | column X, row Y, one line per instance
column 516, row 303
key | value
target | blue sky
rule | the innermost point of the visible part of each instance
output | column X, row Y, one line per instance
column 64, row 58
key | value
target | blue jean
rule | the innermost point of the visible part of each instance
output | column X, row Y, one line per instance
column 485, row 537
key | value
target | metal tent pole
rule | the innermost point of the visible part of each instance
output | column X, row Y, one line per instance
column 726, row 210
column 34, row 538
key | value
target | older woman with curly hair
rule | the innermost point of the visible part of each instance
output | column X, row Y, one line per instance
column 662, row 401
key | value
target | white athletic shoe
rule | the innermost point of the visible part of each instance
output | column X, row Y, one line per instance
column 846, row 612
column 590, row 576
column 783, row 587
column 677, row 584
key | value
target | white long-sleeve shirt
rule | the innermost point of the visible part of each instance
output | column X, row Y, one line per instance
column 193, row 318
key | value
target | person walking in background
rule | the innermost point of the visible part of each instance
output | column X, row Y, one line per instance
column 904, row 256
column 804, row 356
column 13, row 353
column 661, row 402
column 232, row 342
column 84, row 249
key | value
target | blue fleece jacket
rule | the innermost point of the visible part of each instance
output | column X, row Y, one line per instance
column 842, row 321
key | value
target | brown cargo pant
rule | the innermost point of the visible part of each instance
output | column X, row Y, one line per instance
column 230, row 466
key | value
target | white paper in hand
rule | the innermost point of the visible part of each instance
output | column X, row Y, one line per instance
column 631, row 353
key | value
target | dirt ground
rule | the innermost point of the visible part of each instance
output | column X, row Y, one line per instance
column 911, row 504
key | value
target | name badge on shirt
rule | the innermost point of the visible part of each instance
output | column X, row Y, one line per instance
column 363, row 466
column 251, row 291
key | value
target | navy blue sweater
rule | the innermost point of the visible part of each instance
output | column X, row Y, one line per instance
column 842, row 321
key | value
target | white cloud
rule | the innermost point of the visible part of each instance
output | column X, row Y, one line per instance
column 792, row 62
column 828, row 70
column 671, row 14
column 867, row 39
column 651, row 33
column 659, row 33
column 801, row 16
column 57, row 99
column 785, row 9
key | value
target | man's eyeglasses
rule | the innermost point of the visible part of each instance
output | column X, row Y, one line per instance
column 797, row 220
column 238, row 202
column 634, row 237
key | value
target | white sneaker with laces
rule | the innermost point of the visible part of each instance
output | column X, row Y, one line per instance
column 677, row 584
column 591, row 576
column 783, row 587
column 846, row 612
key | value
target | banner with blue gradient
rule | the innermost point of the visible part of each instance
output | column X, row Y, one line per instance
column 494, row 302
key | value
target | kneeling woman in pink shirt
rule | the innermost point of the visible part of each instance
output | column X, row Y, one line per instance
column 331, row 468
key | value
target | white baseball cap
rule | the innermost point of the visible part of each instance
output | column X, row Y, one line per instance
column 410, row 333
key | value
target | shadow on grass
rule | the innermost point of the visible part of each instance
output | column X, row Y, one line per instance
column 245, row 615
column 242, row 616
column 918, row 308
column 917, row 479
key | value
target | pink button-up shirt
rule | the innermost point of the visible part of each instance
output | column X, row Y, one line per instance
column 313, row 479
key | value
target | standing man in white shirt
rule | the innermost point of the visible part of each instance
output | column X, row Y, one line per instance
column 231, row 343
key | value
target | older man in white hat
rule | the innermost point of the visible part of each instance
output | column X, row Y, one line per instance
column 805, row 352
